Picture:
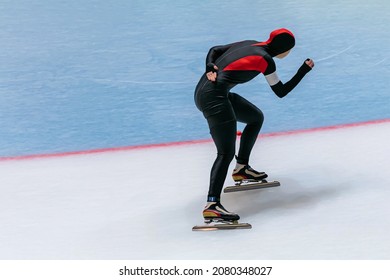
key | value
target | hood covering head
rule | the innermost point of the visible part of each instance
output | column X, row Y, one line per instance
column 280, row 41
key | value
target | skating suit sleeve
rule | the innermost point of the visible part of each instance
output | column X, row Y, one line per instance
column 213, row 54
column 282, row 89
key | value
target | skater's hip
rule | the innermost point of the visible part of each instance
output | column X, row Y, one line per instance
column 211, row 95
column 216, row 111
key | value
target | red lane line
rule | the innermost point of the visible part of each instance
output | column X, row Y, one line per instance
column 325, row 128
column 190, row 142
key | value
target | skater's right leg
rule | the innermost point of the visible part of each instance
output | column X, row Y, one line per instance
column 253, row 117
column 248, row 113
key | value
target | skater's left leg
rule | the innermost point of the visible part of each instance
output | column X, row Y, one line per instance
column 224, row 136
column 247, row 113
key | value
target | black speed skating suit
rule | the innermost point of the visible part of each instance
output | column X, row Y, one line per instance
column 239, row 63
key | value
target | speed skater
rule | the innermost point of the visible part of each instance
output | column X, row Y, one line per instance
column 227, row 66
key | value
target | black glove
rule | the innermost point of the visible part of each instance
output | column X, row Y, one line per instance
column 210, row 67
column 304, row 69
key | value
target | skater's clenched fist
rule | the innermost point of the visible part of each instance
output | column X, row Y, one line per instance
column 310, row 62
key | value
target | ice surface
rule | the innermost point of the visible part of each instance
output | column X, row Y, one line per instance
column 89, row 74
column 81, row 75
column 142, row 204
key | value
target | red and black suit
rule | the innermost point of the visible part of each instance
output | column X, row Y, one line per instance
column 239, row 63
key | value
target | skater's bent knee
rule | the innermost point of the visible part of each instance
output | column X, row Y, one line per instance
column 260, row 117
column 256, row 118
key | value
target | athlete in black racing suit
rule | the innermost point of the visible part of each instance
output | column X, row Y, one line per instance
column 227, row 66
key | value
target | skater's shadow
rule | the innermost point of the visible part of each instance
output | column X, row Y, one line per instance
column 291, row 195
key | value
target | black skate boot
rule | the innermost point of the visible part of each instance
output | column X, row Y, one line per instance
column 215, row 212
column 246, row 173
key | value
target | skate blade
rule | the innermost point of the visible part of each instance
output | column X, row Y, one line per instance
column 222, row 226
column 246, row 186
column 247, row 181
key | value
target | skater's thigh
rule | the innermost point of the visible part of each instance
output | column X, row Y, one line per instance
column 222, row 112
column 224, row 137
column 223, row 127
column 213, row 101
column 244, row 110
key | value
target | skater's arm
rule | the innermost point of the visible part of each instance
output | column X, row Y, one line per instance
column 213, row 54
column 282, row 89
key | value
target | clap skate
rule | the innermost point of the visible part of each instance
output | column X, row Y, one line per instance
column 217, row 217
column 246, row 178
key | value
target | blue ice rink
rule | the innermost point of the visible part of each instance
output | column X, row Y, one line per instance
column 81, row 75
column 85, row 75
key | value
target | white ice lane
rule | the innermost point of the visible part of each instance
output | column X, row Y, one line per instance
column 333, row 202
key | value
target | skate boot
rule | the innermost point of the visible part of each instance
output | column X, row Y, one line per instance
column 215, row 212
column 246, row 173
